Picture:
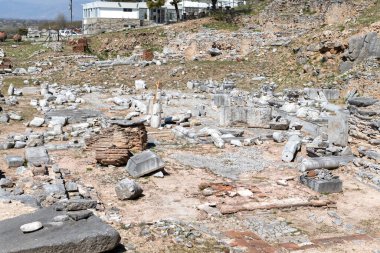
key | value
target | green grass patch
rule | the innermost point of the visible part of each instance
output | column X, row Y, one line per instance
column 18, row 82
column 221, row 25
column 21, row 53
column 370, row 15
column 257, row 6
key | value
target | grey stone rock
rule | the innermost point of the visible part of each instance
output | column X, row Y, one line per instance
column 329, row 94
column 58, row 189
column 31, row 227
column 221, row 100
column 7, row 145
column 56, row 120
column 362, row 101
column 76, row 204
column 20, row 144
column 338, row 129
column 18, row 191
column 15, row 116
column 79, row 215
column 159, row 174
column 21, row 170
column 371, row 154
column 35, row 140
column 252, row 116
column 86, row 235
column 73, row 116
column 61, row 218
column 323, row 186
column 140, row 85
column 6, row 183
column 346, row 66
column 144, row 163
column 214, row 51
column 259, row 117
column 236, row 143
column 11, row 90
column 37, row 122
column 4, row 118
column 282, row 124
column 279, row 137
column 14, row 161
column 71, row 187
column 361, row 47
column 291, row 148
column 37, row 156
column 128, row 189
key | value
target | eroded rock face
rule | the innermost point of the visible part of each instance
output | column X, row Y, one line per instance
column 361, row 47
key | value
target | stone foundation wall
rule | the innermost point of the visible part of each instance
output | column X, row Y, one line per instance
column 98, row 25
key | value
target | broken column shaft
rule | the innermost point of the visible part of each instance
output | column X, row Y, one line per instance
column 291, row 148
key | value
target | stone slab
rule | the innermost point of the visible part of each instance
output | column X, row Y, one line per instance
column 323, row 186
column 14, row 161
column 144, row 163
column 74, row 116
column 86, row 235
column 338, row 129
column 37, row 156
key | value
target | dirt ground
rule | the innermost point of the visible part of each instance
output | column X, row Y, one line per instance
column 200, row 205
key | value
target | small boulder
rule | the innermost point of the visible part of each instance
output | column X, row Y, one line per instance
column 128, row 189
column 214, row 52
column 6, row 183
column 140, row 85
column 14, row 161
column 37, row 122
column 31, row 227
column 37, row 156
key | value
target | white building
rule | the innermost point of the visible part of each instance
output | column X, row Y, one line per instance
column 102, row 15
column 126, row 10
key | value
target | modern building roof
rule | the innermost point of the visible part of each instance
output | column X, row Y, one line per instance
column 102, row 4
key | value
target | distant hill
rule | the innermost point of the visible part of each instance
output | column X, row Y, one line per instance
column 40, row 9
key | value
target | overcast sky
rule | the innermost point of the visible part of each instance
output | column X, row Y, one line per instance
column 40, row 9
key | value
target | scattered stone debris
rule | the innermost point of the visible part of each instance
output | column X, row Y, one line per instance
column 221, row 141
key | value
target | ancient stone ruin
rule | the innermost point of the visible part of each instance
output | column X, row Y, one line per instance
column 113, row 146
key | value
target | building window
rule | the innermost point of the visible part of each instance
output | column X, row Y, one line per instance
column 127, row 10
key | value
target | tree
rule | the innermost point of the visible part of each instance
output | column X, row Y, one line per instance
column 155, row 4
column 213, row 4
column 175, row 4
column 60, row 21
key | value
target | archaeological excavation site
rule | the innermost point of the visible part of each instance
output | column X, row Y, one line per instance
column 246, row 129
